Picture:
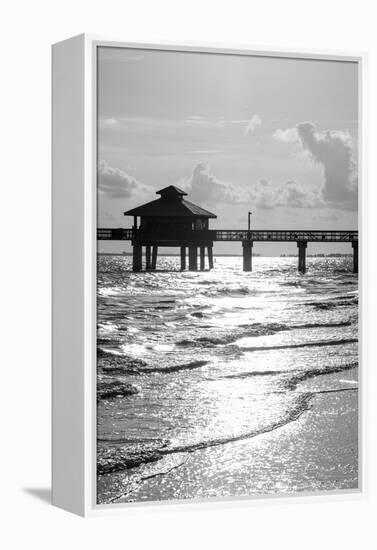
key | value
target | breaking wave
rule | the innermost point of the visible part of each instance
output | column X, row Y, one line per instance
column 123, row 365
column 293, row 378
column 227, row 290
column 220, row 337
column 303, row 345
column 333, row 304
column 114, row 459
column 175, row 368
column 293, row 382
column 114, row 388
column 110, row 363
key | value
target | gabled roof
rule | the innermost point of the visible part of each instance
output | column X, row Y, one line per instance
column 167, row 208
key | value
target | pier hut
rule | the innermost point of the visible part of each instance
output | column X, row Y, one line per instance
column 171, row 221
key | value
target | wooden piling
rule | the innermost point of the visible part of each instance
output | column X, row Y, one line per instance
column 301, row 245
column 247, row 247
column 210, row 257
column 193, row 258
column 183, row 258
column 137, row 258
column 202, row 257
column 154, row 256
column 355, row 246
column 148, row 257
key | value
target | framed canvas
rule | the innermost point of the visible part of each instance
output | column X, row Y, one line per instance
column 206, row 224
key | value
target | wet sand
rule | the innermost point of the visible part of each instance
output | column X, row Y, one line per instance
column 317, row 452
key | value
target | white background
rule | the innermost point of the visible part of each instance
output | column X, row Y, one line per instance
column 27, row 30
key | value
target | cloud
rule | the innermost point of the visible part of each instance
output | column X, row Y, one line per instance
column 289, row 194
column 263, row 195
column 204, row 187
column 297, row 195
column 289, row 135
column 332, row 150
column 252, row 125
column 115, row 183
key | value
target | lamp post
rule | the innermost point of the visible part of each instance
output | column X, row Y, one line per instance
column 248, row 224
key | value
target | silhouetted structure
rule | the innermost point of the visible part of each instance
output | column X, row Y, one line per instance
column 171, row 221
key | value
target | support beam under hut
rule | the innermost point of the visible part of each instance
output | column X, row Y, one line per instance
column 137, row 258
column 148, row 263
column 183, row 258
column 247, row 248
column 154, row 256
column 202, row 257
column 210, row 257
column 302, row 245
column 193, row 258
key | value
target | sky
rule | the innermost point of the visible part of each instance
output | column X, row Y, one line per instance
column 274, row 136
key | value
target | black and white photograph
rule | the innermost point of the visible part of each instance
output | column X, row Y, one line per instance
column 227, row 275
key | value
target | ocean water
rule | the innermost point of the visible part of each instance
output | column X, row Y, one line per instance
column 224, row 383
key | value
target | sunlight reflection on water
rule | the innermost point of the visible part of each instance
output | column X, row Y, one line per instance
column 191, row 345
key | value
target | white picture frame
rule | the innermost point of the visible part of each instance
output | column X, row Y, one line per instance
column 74, row 148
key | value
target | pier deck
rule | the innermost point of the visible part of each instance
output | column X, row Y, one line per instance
column 229, row 235
column 205, row 238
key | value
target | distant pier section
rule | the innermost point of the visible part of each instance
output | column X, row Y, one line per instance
column 172, row 221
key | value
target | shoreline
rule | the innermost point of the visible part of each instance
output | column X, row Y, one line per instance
column 317, row 451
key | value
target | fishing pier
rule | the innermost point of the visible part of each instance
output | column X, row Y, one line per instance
column 172, row 221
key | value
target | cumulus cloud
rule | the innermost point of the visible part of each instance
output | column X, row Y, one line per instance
column 115, row 183
column 289, row 135
column 290, row 194
column 333, row 151
column 263, row 194
column 253, row 124
column 205, row 187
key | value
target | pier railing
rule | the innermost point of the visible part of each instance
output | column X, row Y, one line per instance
column 285, row 235
column 114, row 234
